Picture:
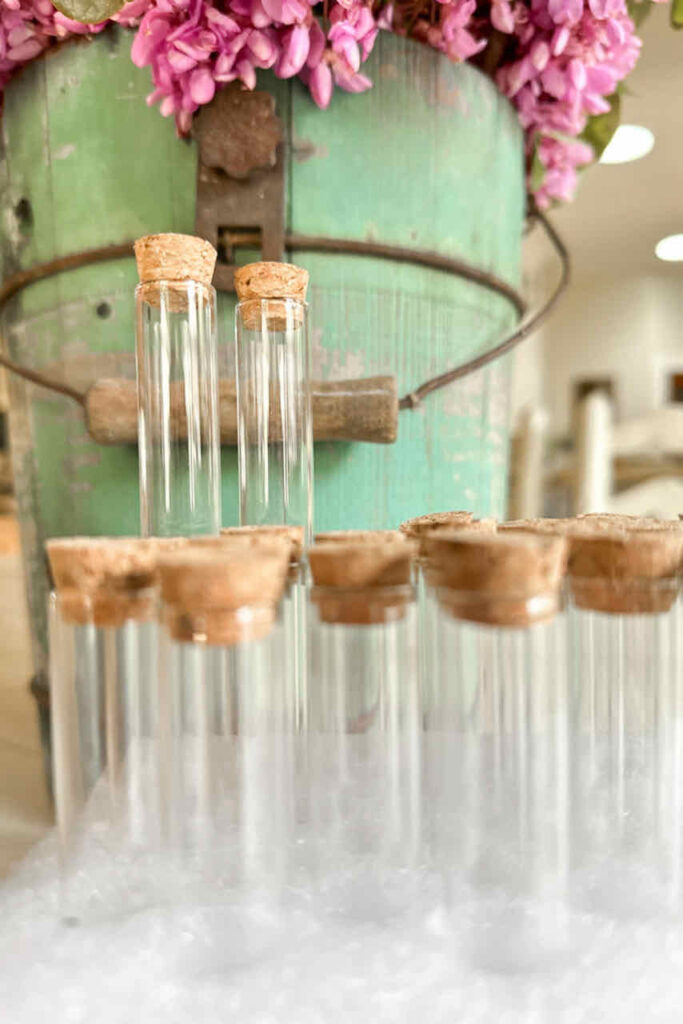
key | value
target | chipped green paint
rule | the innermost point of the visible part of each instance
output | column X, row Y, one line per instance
column 431, row 157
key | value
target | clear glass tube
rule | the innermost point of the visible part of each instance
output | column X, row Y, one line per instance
column 627, row 740
column 178, row 416
column 104, row 740
column 496, row 774
column 228, row 729
column 275, row 438
column 363, row 742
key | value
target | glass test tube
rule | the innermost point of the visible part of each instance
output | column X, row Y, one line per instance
column 627, row 721
column 274, row 425
column 103, row 650
column 419, row 529
column 228, row 718
column 294, row 604
column 363, row 730
column 178, row 411
column 495, row 743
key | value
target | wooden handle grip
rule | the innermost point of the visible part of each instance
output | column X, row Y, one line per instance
column 345, row 410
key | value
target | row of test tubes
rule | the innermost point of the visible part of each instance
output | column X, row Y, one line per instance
column 479, row 715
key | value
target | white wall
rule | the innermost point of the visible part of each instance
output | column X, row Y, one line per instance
column 630, row 330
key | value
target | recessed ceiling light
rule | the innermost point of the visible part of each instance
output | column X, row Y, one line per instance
column 670, row 248
column 629, row 142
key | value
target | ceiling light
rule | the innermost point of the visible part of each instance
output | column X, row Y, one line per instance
column 670, row 248
column 629, row 142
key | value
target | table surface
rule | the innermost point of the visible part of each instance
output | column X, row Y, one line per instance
column 25, row 810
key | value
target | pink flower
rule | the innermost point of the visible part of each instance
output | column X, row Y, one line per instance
column 295, row 47
column 321, row 84
column 563, row 58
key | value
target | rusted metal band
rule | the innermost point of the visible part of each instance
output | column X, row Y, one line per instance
column 396, row 253
column 434, row 261
column 510, row 341
column 312, row 243
column 11, row 286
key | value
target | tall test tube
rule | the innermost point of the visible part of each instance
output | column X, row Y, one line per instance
column 495, row 743
column 103, row 652
column 627, row 717
column 363, row 729
column 178, row 416
column 274, row 425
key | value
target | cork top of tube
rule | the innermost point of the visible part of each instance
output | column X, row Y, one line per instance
column 361, row 537
column 445, row 522
column 497, row 579
column 606, row 522
column 361, row 583
column 544, row 525
column 223, row 594
column 435, row 520
column 269, row 280
column 171, row 257
column 101, row 579
column 87, row 563
column 294, row 535
column 628, row 570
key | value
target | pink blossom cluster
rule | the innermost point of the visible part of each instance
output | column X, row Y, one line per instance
column 570, row 56
column 27, row 27
column 194, row 46
column 560, row 59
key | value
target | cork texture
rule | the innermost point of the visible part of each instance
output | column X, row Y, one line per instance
column 254, row 534
column 435, row 520
column 509, row 579
column 476, row 526
column 170, row 257
column 361, row 537
column 223, row 593
column 631, row 570
column 358, row 583
column 104, row 580
column 547, row 526
column 268, row 280
column 607, row 522
column 274, row 315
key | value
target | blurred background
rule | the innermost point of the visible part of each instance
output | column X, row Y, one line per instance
column 597, row 396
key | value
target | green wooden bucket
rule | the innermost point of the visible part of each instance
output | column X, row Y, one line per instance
column 430, row 158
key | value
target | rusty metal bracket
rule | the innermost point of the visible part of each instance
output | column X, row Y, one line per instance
column 240, row 176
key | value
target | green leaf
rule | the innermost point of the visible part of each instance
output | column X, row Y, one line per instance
column 638, row 11
column 536, row 172
column 677, row 13
column 89, row 12
column 602, row 127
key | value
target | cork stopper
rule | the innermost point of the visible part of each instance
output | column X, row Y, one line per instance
column 606, row 522
column 222, row 594
column 434, row 529
column 358, row 583
column 361, row 537
column 625, row 571
column 435, row 520
column 544, row 525
column 271, row 281
column 497, row 579
column 172, row 257
column 103, row 580
column 294, row 535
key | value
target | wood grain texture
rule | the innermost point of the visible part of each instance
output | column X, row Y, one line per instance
column 345, row 410
column 431, row 157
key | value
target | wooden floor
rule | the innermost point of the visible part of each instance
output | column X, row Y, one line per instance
column 25, row 810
